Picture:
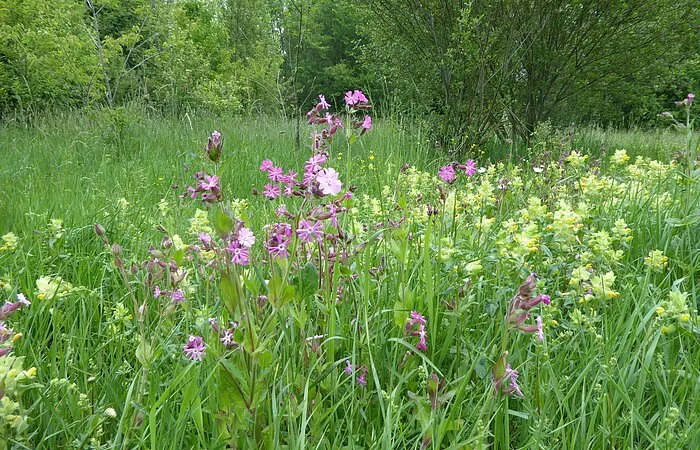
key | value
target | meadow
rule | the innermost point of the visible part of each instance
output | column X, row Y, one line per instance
column 506, row 297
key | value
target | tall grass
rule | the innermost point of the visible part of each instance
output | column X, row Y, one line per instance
column 606, row 376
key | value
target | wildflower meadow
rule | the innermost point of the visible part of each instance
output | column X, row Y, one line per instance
column 199, row 282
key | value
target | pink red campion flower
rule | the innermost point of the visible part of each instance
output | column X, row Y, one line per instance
column 310, row 231
column 10, row 307
column 271, row 191
column 323, row 104
column 447, row 174
column 240, row 255
column 417, row 319
column 313, row 164
column 275, row 174
column 328, row 182
column 195, row 348
column 177, row 296
column 214, row 145
column 521, row 304
column 366, row 124
column 470, row 168
column 246, row 238
column 353, row 98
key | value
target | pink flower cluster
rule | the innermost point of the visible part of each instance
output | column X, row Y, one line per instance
column 225, row 336
column 508, row 383
column 317, row 180
column 176, row 296
column 239, row 244
column 448, row 174
column 417, row 320
column 208, row 187
column 332, row 123
column 279, row 236
column 6, row 333
column 361, row 378
column 214, row 146
column 195, row 348
column 520, row 305
column 356, row 99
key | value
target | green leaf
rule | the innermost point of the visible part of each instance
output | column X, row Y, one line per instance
column 265, row 358
column 690, row 219
column 306, row 280
column 223, row 224
column 144, row 353
column 279, row 293
column 179, row 257
column 229, row 293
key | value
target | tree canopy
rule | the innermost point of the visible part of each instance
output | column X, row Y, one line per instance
column 475, row 68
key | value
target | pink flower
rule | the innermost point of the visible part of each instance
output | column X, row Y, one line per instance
column 470, row 168
column 215, row 137
column 266, row 165
column 214, row 323
column 275, row 173
column 156, row 292
column 422, row 335
column 281, row 211
column 359, row 97
column 278, row 250
column 271, row 191
column 227, row 338
column 210, row 183
column 349, row 98
column 246, row 237
column 540, row 333
column 239, row 254
column 290, row 178
column 511, row 376
column 23, row 300
column 416, row 319
column 214, row 146
column 310, row 231
column 447, row 174
column 366, row 124
column 353, row 98
column 328, row 181
column 205, row 239
column 177, row 296
column 362, row 378
column 322, row 104
column 195, row 348
column 10, row 307
column 313, row 164
column 349, row 369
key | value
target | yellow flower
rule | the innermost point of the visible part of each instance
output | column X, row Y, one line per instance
column 656, row 260
column 575, row 159
column 200, row 223
column 178, row 244
column 48, row 287
column 602, row 285
column 620, row 157
column 9, row 242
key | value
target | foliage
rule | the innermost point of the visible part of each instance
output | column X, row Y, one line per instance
column 414, row 321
